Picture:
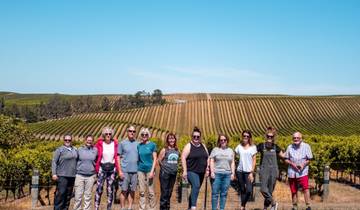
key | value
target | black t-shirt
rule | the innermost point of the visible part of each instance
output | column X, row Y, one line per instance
column 261, row 148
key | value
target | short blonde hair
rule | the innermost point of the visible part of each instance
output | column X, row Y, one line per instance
column 146, row 131
column 107, row 129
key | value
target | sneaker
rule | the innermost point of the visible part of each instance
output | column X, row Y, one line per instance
column 274, row 206
column 308, row 208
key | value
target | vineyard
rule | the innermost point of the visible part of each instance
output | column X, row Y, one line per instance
column 219, row 113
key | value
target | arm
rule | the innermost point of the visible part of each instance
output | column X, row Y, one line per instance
column 233, row 168
column 212, row 167
column 185, row 153
column 54, row 161
column 251, row 175
column 121, row 174
column 161, row 156
column 207, row 172
column 152, row 172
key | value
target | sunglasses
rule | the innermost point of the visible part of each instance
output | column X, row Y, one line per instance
column 67, row 140
column 196, row 137
column 269, row 136
column 144, row 134
column 296, row 138
column 223, row 140
column 108, row 134
column 131, row 131
column 246, row 136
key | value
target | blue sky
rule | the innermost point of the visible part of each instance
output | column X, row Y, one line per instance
column 85, row 47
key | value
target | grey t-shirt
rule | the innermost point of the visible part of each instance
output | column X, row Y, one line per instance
column 128, row 153
column 170, row 162
column 222, row 159
column 64, row 162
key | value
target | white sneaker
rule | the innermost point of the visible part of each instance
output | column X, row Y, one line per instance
column 275, row 206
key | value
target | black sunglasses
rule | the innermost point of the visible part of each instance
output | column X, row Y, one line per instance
column 144, row 134
column 196, row 137
column 269, row 136
column 108, row 134
column 67, row 140
column 131, row 131
column 246, row 136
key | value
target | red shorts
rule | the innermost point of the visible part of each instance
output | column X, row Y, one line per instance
column 301, row 181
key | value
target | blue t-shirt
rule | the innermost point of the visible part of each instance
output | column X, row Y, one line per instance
column 145, row 156
column 128, row 153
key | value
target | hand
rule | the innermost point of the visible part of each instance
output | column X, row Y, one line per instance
column 207, row 173
column 121, row 175
column 301, row 167
column 55, row 177
column 212, row 175
column 151, row 174
column 184, row 175
column 294, row 166
column 232, row 178
column 251, row 177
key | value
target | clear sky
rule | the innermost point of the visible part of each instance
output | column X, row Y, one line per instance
column 307, row 47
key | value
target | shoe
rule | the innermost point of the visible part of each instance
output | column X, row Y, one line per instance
column 308, row 208
column 274, row 206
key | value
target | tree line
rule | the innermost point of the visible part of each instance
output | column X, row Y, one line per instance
column 59, row 106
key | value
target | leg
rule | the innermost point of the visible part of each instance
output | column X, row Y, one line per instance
column 215, row 191
column 293, row 189
column 151, row 198
column 60, row 195
column 110, row 177
column 195, row 182
column 79, row 191
column 133, row 185
column 99, row 189
column 142, row 178
column 249, row 187
column 124, row 190
column 164, row 188
column 264, row 188
column 89, row 183
column 69, row 191
column 225, row 183
column 171, row 187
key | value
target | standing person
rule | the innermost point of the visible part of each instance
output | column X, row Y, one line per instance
column 107, row 164
column 298, row 156
column 63, row 169
column 146, row 170
column 128, row 154
column 168, row 161
column 246, row 167
column 85, row 173
column 222, row 167
column 269, row 170
column 194, row 160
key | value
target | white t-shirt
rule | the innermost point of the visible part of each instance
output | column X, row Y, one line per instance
column 246, row 157
column 108, row 153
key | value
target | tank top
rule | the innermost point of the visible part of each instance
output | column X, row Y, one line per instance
column 170, row 162
column 197, row 159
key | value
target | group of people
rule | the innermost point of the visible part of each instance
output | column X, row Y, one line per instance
column 134, row 162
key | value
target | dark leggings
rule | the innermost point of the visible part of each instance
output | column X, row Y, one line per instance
column 245, row 186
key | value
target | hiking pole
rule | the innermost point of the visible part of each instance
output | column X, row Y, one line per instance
column 205, row 198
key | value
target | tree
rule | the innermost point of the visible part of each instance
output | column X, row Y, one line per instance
column 2, row 105
column 13, row 133
column 105, row 104
column 157, row 97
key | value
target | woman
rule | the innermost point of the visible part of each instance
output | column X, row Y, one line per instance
column 63, row 169
column 107, row 164
column 269, row 169
column 247, row 162
column 85, row 173
column 222, row 167
column 168, row 161
column 194, row 160
column 146, row 170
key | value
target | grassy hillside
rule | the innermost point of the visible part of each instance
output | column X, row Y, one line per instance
column 226, row 113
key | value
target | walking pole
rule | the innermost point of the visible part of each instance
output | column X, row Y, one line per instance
column 205, row 198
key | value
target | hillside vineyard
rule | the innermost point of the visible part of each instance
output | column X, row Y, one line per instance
column 219, row 113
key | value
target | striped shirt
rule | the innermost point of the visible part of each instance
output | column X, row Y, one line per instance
column 298, row 155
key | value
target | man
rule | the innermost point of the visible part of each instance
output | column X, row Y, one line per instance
column 298, row 156
column 128, row 154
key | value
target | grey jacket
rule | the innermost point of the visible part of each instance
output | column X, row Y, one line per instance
column 86, row 160
column 64, row 161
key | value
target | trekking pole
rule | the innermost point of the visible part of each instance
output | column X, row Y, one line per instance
column 205, row 198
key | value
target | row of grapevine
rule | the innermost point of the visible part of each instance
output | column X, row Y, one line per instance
column 312, row 115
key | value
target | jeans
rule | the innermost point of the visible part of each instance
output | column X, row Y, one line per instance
column 64, row 189
column 83, row 187
column 167, row 182
column 220, row 187
column 245, row 185
column 195, row 180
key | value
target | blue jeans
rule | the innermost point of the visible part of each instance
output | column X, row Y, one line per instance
column 195, row 180
column 220, row 187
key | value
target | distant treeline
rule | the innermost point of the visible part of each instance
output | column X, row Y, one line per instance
column 58, row 106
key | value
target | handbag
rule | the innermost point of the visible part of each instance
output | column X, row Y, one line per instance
column 107, row 167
